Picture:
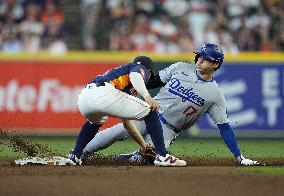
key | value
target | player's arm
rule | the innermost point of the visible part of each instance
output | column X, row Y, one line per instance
column 229, row 138
column 134, row 132
column 161, row 79
column 138, row 83
column 154, row 82
column 219, row 115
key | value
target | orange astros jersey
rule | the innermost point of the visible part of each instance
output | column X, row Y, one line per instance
column 119, row 77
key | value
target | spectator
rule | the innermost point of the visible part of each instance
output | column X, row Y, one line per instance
column 13, row 8
column 12, row 44
column 209, row 34
column 31, row 29
column 142, row 37
column 176, row 8
column 145, row 6
column 198, row 18
column 178, row 26
column 279, row 44
column 90, row 13
column 22, row 29
column 166, row 45
column 228, row 45
column 121, row 19
column 53, row 35
column 51, row 13
column 120, row 35
column 120, row 8
column 53, row 38
column 10, row 35
column 163, row 26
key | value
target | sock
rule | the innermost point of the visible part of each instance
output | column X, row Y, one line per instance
column 87, row 133
column 154, row 129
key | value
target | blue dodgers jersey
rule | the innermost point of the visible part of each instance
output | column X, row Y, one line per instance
column 119, row 77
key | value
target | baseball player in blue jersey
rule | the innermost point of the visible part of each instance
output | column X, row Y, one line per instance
column 113, row 94
column 188, row 92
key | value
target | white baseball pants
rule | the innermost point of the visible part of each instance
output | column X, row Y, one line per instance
column 97, row 103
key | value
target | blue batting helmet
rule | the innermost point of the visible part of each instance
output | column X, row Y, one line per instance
column 210, row 52
column 144, row 60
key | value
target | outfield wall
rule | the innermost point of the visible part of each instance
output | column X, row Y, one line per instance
column 38, row 91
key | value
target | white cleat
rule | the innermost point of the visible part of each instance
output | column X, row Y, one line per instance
column 169, row 161
column 72, row 159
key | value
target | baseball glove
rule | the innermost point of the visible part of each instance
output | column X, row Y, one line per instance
column 148, row 152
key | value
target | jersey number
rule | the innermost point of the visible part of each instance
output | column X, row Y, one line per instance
column 190, row 110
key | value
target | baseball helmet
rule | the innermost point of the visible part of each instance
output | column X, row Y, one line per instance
column 210, row 52
column 144, row 60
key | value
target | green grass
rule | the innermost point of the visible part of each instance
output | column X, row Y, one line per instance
column 216, row 147
column 195, row 147
column 279, row 171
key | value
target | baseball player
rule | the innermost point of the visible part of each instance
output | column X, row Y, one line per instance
column 188, row 92
column 113, row 94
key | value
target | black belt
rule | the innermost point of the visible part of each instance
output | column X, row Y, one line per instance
column 163, row 120
column 100, row 84
column 97, row 84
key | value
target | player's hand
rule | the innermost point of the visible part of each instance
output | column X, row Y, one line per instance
column 246, row 162
column 153, row 104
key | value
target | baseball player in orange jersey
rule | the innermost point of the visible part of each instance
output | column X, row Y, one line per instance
column 113, row 94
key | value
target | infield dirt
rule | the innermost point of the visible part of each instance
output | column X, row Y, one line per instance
column 102, row 176
column 123, row 179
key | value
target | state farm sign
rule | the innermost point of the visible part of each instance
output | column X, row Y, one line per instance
column 44, row 94
column 29, row 98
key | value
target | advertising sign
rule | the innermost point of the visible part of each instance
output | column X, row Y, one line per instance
column 44, row 94
column 254, row 93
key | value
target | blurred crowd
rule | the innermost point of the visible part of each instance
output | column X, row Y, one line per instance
column 161, row 26
column 31, row 26
column 174, row 26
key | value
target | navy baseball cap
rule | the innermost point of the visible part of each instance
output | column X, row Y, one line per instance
column 144, row 60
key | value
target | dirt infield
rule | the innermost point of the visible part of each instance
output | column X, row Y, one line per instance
column 105, row 178
column 101, row 176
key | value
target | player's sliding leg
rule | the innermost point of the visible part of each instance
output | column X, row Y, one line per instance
column 105, row 138
column 136, row 157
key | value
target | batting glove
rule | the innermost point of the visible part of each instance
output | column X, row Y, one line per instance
column 246, row 162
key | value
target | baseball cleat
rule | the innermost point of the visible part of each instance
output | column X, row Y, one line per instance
column 134, row 157
column 169, row 161
column 123, row 157
column 72, row 159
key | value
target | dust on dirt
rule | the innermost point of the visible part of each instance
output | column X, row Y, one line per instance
column 19, row 143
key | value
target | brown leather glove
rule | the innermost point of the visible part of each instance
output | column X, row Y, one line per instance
column 148, row 152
